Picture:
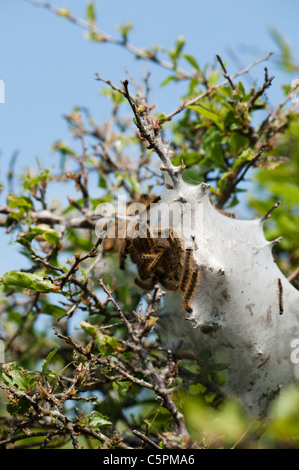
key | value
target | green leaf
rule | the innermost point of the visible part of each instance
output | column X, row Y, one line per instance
column 133, row 183
column 54, row 310
column 63, row 12
column 224, row 179
column 63, row 148
column 33, row 182
column 211, row 142
column 95, row 420
column 14, row 376
column 114, row 95
column 192, row 177
column 176, row 52
column 93, row 36
column 47, row 361
column 168, row 79
column 189, row 159
column 40, row 233
column 180, row 44
column 239, row 141
column 81, row 243
column 241, row 89
column 19, row 202
column 107, row 345
column 102, row 181
column 89, row 328
column 33, row 281
column 244, row 157
column 192, row 61
column 213, row 78
column 124, row 29
column 207, row 113
column 90, row 13
column 19, row 408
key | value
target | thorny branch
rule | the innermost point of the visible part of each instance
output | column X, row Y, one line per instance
column 149, row 131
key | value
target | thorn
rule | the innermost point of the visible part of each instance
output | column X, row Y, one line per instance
column 273, row 242
column 268, row 214
column 182, row 167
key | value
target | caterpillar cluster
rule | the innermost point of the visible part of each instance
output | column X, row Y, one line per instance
column 162, row 259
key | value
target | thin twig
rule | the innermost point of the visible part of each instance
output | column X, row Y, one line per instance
column 268, row 213
column 146, row 439
column 116, row 305
column 226, row 75
column 294, row 275
column 77, row 260
column 249, row 164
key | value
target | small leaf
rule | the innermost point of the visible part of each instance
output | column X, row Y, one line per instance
column 52, row 237
column 168, row 79
column 95, row 420
column 213, row 78
column 124, row 29
column 176, row 52
column 192, row 61
column 90, row 13
column 89, row 328
column 63, row 12
column 241, row 89
column 47, row 361
column 207, row 113
column 102, row 181
column 244, row 157
column 63, row 148
column 191, row 177
column 93, row 36
column 54, row 310
column 133, row 183
column 114, row 95
column 180, row 44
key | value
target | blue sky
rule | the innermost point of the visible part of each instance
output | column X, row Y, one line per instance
column 49, row 67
